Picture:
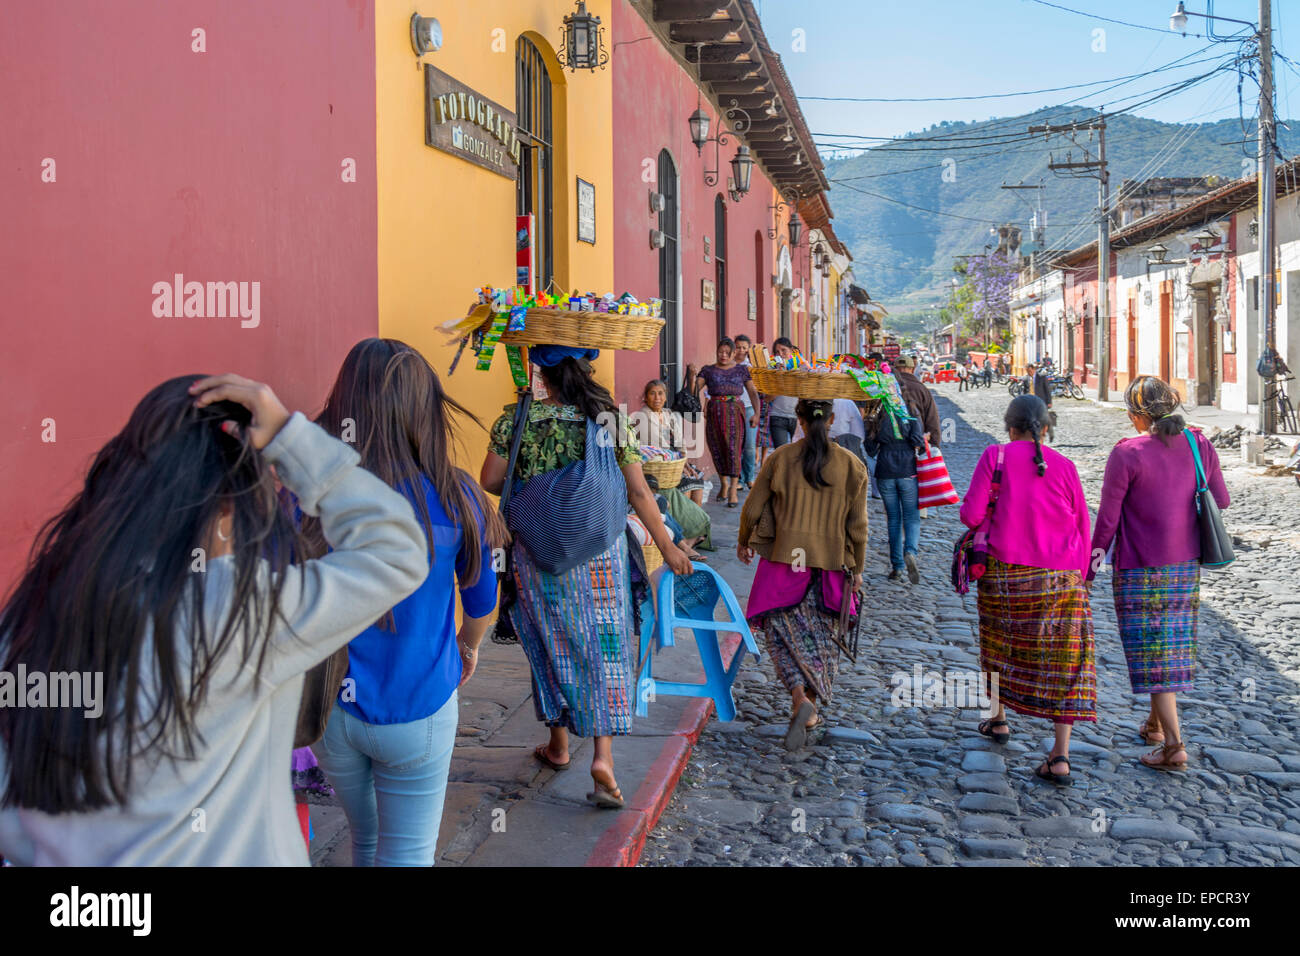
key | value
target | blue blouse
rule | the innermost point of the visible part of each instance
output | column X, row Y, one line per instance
column 409, row 673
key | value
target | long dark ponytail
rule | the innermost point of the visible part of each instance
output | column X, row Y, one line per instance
column 1029, row 414
column 115, row 585
column 815, row 417
column 390, row 404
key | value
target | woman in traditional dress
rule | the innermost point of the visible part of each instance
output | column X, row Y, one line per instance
column 661, row 427
column 576, row 626
column 1035, row 620
column 724, row 417
column 807, row 513
column 1147, row 513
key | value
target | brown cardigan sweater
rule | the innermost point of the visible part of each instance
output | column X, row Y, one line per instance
column 828, row 524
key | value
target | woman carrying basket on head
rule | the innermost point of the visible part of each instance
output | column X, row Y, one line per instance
column 807, row 513
column 1148, row 513
column 574, row 612
column 1035, row 619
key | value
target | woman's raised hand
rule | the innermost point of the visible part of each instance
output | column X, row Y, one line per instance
column 269, row 413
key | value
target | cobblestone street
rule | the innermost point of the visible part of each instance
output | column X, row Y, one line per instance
column 880, row 785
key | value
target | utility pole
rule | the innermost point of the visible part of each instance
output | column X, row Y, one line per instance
column 1267, row 199
column 1094, row 168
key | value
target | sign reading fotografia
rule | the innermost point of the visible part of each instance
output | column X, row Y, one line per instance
column 459, row 121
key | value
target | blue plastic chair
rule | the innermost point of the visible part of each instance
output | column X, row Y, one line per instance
column 692, row 603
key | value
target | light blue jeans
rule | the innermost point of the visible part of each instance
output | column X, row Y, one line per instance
column 900, row 496
column 392, row 782
column 749, row 460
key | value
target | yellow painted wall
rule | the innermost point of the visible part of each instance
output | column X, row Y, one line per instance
column 446, row 226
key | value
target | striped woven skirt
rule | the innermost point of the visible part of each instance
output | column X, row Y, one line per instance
column 764, row 437
column 724, row 430
column 799, row 642
column 1036, row 636
column 1156, row 609
column 576, row 629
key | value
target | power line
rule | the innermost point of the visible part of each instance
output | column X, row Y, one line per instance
column 1123, row 23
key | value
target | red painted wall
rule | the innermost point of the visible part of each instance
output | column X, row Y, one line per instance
column 653, row 97
column 222, row 165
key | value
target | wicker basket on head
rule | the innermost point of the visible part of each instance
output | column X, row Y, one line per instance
column 667, row 473
column 593, row 330
column 818, row 386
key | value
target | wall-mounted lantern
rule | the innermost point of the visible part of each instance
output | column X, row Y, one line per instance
column 426, row 35
column 582, row 42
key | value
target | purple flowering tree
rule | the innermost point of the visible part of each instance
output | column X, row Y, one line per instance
column 985, row 297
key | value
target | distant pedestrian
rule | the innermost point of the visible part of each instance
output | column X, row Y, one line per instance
column 847, row 430
column 753, row 409
column 807, row 519
column 1041, row 380
column 176, row 574
column 387, row 749
column 894, row 444
column 1147, row 513
column 963, row 377
column 725, row 418
column 1036, row 632
column 781, row 419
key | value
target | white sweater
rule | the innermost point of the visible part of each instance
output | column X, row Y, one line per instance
column 232, row 805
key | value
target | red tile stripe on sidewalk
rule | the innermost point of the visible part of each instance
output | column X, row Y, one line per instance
column 623, row 843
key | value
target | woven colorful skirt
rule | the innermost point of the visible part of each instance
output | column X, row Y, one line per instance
column 1036, row 636
column 1156, row 609
column 576, row 629
column 724, row 430
column 799, row 641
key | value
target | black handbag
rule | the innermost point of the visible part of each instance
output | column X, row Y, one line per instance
column 685, row 402
column 1216, row 543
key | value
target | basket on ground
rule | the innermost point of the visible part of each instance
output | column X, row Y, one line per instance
column 595, row 330
column 820, row 386
column 667, row 473
column 653, row 558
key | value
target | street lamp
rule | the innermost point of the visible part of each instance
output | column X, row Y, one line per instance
column 582, row 45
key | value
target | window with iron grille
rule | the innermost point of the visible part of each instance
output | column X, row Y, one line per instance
column 535, row 187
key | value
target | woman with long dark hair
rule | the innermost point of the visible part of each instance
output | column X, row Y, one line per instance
column 574, row 614
column 807, row 520
column 172, row 575
column 1148, row 513
column 387, row 747
column 1035, row 619
column 724, row 417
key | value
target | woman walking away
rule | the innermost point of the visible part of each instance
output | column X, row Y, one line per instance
column 1035, row 619
column 807, row 513
column 724, row 417
column 1148, row 513
column 574, row 610
column 894, row 444
column 387, row 746
column 171, row 574
column 781, row 421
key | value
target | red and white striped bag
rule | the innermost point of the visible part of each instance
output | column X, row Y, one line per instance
column 933, row 485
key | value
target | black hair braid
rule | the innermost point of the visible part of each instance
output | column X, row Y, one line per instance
column 1038, row 449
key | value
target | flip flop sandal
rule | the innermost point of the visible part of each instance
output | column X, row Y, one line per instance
column 544, row 759
column 999, row 737
column 604, row 798
column 1165, row 752
column 1044, row 772
column 797, row 733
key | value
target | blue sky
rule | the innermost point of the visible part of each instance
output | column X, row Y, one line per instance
column 921, row 48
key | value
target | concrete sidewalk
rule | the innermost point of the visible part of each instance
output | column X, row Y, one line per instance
column 505, row 809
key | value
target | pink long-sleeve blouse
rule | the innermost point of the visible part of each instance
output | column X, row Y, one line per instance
column 1148, row 501
column 1040, row 522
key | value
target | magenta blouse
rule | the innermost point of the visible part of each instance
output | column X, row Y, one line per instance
column 1148, row 501
column 1038, row 522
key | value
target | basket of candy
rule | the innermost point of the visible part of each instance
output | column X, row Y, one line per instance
column 840, row 376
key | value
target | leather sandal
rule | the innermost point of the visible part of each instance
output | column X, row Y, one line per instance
column 1044, row 771
column 1159, row 759
column 999, row 737
column 1150, row 731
